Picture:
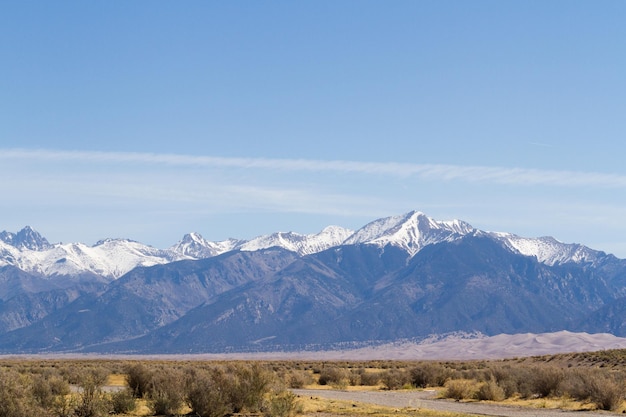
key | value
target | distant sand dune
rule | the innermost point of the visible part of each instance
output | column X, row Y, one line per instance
column 500, row 346
column 451, row 347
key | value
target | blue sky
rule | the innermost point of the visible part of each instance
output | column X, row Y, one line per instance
column 148, row 120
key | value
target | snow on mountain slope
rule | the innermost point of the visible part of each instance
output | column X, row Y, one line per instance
column 548, row 250
column 193, row 245
column 330, row 237
column 414, row 230
column 113, row 258
column 110, row 258
column 411, row 231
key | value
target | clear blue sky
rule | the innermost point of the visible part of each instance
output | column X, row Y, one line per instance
column 151, row 119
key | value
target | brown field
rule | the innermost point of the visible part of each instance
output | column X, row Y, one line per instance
column 99, row 387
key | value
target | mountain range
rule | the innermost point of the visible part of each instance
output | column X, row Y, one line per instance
column 397, row 278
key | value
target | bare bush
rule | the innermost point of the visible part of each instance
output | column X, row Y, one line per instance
column 165, row 391
column 123, row 402
column 354, row 377
column 298, row 379
column 15, row 398
column 92, row 402
column 138, row 379
column 283, row 404
column 460, row 389
column 208, row 392
column 47, row 387
column 333, row 375
column 490, row 391
column 249, row 384
column 64, row 406
column 370, row 378
column 395, row 378
column 605, row 390
column 430, row 375
column 546, row 380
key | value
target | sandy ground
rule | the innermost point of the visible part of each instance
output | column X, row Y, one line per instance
column 425, row 400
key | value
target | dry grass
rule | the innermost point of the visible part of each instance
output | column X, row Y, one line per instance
column 324, row 407
column 116, row 380
column 611, row 363
column 550, row 403
column 143, row 409
column 357, row 388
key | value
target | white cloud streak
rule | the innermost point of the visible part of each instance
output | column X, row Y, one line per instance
column 436, row 172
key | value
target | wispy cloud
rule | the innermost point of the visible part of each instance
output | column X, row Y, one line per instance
column 541, row 144
column 126, row 193
column 436, row 172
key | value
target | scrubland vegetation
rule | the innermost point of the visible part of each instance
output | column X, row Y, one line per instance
column 94, row 388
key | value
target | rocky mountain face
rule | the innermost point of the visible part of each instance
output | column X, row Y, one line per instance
column 26, row 238
column 402, row 277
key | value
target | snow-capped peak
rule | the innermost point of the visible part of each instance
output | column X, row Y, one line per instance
column 193, row 245
column 109, row 258
column 27, row 238
column 548, row 250
column 411, row 231
column 302, row 244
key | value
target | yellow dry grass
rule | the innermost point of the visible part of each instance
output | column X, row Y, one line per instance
column 142, row 409
column 116, row 380
column 556, row 403
column 316, row 406
column 344, row 387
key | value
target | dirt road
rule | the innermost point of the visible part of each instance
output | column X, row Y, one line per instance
column 425, row 399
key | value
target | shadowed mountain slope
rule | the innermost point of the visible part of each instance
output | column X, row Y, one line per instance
column 362, row 293
column 401, row 277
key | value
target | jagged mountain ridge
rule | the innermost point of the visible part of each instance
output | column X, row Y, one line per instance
column 400, row 277
column 361, row 293
column 411, row 232
column 27, row 238
column 112, row 258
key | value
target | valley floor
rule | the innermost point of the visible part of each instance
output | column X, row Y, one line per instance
column 425, row 400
